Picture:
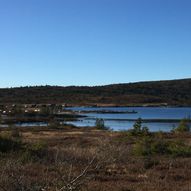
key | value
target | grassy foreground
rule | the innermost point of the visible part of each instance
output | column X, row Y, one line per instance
column 93, row 160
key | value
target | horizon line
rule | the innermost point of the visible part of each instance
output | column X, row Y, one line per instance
column 134, row 82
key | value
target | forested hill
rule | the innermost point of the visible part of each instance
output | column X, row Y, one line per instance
column 173, row 92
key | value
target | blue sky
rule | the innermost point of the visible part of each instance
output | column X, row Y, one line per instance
column 93, row 42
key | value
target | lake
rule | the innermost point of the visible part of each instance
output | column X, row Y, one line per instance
column 124, row 121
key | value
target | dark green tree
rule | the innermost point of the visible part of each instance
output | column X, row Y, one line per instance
column 100, row 124
column 137, row 126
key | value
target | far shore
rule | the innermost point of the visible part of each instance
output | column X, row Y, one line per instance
column 147, row 120
column 128, row 105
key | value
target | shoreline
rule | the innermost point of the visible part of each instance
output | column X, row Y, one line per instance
column 145, row 120
column 138, row 105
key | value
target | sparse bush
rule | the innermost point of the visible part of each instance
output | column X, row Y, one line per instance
column 143, row 147
column 10, row 141
column 100, row 124
column 8, row 144
column 36, row 150
column 149, row 146
column 184, row 126
column 160, row 147
column 179, row 149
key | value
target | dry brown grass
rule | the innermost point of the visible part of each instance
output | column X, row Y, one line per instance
column 113, row 168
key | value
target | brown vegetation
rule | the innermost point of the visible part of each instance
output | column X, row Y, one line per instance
column 93, row 160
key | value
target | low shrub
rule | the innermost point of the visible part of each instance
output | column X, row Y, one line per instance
column 184, row 126
column 100, row 124
column 149, row 146
column 143, row 147
column 8, row 144
column 179, row 149
column 35, row 151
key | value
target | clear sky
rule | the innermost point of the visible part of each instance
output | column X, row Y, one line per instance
column 93, row 42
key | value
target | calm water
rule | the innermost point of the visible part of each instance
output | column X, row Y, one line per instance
column 29, row 124
column 120, row 121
